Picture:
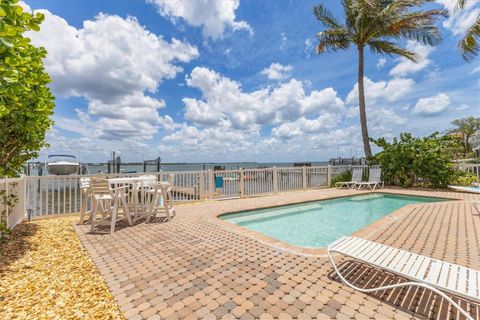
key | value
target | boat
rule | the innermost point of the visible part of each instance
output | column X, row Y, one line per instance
column 62, row 164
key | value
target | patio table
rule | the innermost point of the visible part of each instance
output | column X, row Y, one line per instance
column 137, row 184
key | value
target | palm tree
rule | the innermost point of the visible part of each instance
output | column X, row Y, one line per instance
column 469, row 46
column 375, row 23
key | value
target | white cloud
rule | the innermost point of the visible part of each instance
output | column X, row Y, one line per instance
column 381, row 63
column 227, row 122
column 381, row 121
column 392, row 90
column 222, row 142
column 113, row 63
column 213, row 16
column 109, row 57
column 406, row 66
column 379, row 96
column 475, row 70
column 276, row 71
column 432, row 105
column 463, row 107
column 460, row 20
column 224, row 102
column 303, row 126
column 284, row 40
column 308, row 47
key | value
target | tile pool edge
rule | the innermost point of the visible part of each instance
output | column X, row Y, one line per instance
column 365, row 232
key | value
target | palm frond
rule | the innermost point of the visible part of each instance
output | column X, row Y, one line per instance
column 378, row 22
column 402, row 5
column 391, row 49
column 469, row 45
column 325, row 16
column 417, row 25
column 350, row 10
column 461, row 4
column 333, row 39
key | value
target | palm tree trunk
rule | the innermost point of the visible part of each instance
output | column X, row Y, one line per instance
column 467, row 145
column 361, row 105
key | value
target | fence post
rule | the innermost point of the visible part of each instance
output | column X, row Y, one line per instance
column 242, row 185
column 211, row 183
column 275, row 180
column 7, row 209
column 201, row 185
column 304, row 177
column 329, row 175
column 25, row 199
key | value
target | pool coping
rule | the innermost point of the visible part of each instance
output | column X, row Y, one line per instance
column 365, row 232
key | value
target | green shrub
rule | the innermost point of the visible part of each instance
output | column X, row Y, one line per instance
column 464, row 179
column 26, row 102
column 344, row 176
column 409, row 160
column 5, row 201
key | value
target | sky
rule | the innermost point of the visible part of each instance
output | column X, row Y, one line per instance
column 235, row 80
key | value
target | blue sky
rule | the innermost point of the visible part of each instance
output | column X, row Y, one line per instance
column 219, row 80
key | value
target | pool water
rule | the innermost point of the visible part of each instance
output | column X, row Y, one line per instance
column 317, row 224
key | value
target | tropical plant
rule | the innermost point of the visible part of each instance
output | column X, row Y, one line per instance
column 466, row 127
column 469, row 45
column 465, row 179
column 409, row 160
column 7, row 200
column 344, row 176
column 25, row 101
column 376, row 23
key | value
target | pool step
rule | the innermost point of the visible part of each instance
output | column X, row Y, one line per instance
column 275, row 213
column 366, row 197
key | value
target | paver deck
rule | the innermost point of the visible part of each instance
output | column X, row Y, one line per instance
column 195, row 266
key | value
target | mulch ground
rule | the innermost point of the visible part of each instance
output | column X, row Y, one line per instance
column 46, row 274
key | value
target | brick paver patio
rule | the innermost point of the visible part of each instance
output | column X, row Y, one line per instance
column 198, row 267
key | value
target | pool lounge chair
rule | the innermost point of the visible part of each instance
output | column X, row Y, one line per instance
column 374, row 179
column 356, row 178
column 422, row 271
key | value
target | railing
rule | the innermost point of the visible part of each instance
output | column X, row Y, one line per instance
column 12, row 204
column 44, row 196
column 53, row 195
column 470, row 168
column 258, row 181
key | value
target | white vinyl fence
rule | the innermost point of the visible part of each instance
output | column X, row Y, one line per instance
column 470, row 168
column 44, row 196
column 56, row 195
column 12, row 204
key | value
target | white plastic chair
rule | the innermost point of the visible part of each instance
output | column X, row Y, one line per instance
column 162, row 202
column 86, row 196
column 107, row 201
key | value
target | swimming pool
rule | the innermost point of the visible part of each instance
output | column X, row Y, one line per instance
column 317, row 224
column 466, row 189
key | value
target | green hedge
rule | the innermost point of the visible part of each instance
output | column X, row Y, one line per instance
column 421, row 161
column 344, row 176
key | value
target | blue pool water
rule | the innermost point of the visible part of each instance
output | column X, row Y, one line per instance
column 316, row 224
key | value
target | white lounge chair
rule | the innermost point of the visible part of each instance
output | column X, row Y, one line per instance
column 356, row 178
column 423, row 271
column 374, row 179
